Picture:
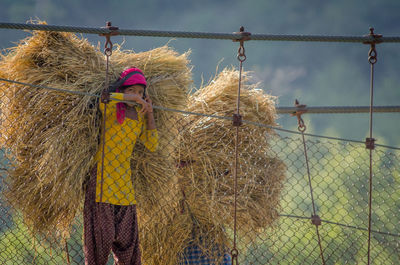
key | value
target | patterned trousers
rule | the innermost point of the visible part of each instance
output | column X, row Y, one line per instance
column 109, row 227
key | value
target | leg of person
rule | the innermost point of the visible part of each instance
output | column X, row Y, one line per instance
column 98, row 226
column 126, row 245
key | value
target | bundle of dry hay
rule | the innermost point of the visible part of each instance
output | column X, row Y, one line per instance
column 207, row 153
column 204, row 215
column 165, row 238
column 52, row 136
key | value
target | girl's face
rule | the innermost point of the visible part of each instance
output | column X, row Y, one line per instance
column 135, row 90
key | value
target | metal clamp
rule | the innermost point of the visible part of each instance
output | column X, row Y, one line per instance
column 301, row 109
column 105, row 97
column 376, row 39
column 113, row 32
column 315, row 220
column 370, row 143
column 237, row 120
column 245, row 37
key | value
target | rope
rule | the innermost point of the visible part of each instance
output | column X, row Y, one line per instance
column 383, row 108
column 200, row 35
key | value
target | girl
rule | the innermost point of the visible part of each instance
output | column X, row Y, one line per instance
column 110, row 221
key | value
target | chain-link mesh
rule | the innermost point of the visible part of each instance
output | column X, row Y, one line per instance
column 190, row 216
column 83, row 181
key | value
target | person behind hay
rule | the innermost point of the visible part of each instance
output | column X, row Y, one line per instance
column 110, row 218
column 196, row 253
column 201, row 248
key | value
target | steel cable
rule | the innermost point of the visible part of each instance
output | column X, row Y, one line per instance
column 370, row 142
column 381, row 108
column 340, row 224
column 315, row 218
column 199, row 35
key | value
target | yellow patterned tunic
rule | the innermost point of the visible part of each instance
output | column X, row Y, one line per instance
column 117, row 186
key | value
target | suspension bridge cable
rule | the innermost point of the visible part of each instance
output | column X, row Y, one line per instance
column 315, row 219
column 236, row 123
column 381, row 108
column 316, row 135
column 370, row 142
column 279, row 110
column 199, row 35
column 338, row 109
column 340, row 224
column 82, row 93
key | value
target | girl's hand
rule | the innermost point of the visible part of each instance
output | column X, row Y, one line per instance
column 147, row 106
column 146, row 103
column 150, row 102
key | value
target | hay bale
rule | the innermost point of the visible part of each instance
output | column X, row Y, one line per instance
column 168, row 234
column 163, row 235
column 206, row 154
column 208, row 147
column 52, row 136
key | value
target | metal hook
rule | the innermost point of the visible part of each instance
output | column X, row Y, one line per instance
column 234, row 255
column 108, row 46
column 372, row 54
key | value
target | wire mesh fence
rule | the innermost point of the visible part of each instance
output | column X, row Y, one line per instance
column 87, row 181
column 184, row 199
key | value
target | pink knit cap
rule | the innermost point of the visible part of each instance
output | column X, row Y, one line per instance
column 136, row 79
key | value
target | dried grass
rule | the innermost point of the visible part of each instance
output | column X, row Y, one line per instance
column 204, row 214
column 51, row 136
column 208, row 147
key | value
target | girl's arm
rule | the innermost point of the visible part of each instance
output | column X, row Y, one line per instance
column 150, row 136
column 146, row 106
column 151, row 124
column 150, row 139
column 114, row 99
